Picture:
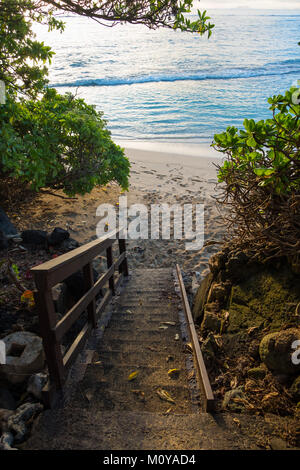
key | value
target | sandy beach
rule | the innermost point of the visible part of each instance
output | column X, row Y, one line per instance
column 160, row 173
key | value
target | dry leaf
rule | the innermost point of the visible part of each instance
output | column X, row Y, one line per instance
column 133, row 375
column 173, row 372
column 237, row 421
column 164, row 395
column 176, row 337
column 234, row 382
column 189, row 347
column 171, row 323
column 163, row 327
column 140, row 394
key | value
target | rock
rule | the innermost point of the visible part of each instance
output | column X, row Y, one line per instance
column 254, row 349
column 211, row 322
column 217, row 262
column 295, row 389
column 61, row 298
column 278, row 444
column 219, row 292
column 24, row 356
column 236, row 265
column 36, row 384
column 201, row 297
column 34, row 237
column 6, row 226
column 257, row 373
column 58, row 236
column 276, row 351
column 4, row 415
column 17, row 423
column 69, row 245
column 6, row 441
column 209, row 348
column 232, row 394
column 7, row 401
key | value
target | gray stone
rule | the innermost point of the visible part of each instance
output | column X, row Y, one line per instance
column 61, row 298
column 17, row 423
column 211, row 322
column 230, row 395
column 4, row 415
column 6, row 441
column 36, row 384
column 276, row 351
column 24, row 356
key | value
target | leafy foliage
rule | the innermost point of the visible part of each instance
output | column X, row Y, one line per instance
column 151, row 13
column 22, row 58
column 261, row 176
column 59, row 142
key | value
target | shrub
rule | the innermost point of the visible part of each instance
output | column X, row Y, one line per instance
column 59, row 142
column 261, row 180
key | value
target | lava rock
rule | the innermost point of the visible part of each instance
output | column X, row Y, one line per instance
column 17, row 423
column 211, row 322
column 5, row 224
column 34, row 237
column 58, row 236
column 36, row 384
column 276, row 351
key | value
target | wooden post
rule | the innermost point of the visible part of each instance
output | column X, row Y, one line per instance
column 47, row 321
column 123, row 268
column 88, row 277
column 109, row 258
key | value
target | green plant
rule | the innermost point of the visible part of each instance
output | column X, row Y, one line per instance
column 59, row 142
column 260, row 180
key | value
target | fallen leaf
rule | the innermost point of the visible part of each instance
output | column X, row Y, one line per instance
column 163, row 327
column 140, row 394
column 164, row 395
column 133, row 375
column 237, row 421
column 170, row 323
column 189, row 347
column 173, row 372
column 176, row 337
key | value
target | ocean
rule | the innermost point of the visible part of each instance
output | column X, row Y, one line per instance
column 175, row 87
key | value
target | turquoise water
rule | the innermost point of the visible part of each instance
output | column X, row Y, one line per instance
column 176, row 87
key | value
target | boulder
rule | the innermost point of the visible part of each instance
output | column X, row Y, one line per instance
column 257, row 373
column 24, row 356
column 229, row 399
column 4, row 416
column 6, row 227
column 276, row 351
column 34, row 237
column 17, row 423
column 58, row 236
column 201, row 297
column 236, row 264
column 36, row 384
column 211, row 322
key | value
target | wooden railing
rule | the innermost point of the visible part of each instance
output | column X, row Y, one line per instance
column 202, row 376
column 47, row 275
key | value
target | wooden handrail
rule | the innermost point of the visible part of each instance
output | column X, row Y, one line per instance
column 200, row 364
column 52, row 272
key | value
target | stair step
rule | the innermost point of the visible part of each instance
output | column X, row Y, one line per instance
column 143, row 357
column 136, row 334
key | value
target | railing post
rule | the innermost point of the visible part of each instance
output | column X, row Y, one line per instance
column 47, row 321
column 123, row 268
column 109, row 258
column 88, row 277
